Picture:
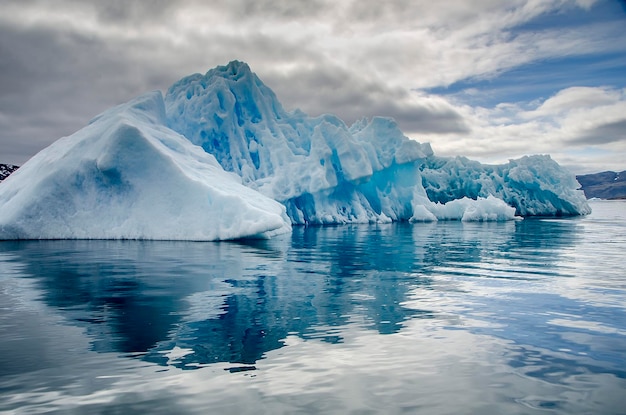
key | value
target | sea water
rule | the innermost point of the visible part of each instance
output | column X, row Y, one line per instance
column 523, row 317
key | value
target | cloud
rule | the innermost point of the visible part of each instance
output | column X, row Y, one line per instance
column 130, row 12
column 280, row 9
column 352, row 95
column 53, row 81
column 582, row 127
column 65, row 61
column 603, row 134
column 576, row 98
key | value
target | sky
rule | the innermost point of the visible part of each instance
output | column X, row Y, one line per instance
column 490, row 80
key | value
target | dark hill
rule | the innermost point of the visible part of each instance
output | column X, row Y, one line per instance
column 605, row 185
column 6, row 170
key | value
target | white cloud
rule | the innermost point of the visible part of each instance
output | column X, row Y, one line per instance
column 577, row 98
column 584, row 128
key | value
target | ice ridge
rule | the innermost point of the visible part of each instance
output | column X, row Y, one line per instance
column 326, row 172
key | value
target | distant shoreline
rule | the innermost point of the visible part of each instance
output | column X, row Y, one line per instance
column 608, row 185
column 6, row 170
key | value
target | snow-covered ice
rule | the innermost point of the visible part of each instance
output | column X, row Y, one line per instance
column 219, row 158
column 128, row 176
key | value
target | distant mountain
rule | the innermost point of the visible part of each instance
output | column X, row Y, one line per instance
column 6, row 170
column 605, row 185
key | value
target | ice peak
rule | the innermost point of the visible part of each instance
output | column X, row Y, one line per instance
column 234, row 69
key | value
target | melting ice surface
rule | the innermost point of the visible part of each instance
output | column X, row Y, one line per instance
column 255, row 169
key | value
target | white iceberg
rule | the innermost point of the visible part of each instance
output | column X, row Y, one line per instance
column 128, row 176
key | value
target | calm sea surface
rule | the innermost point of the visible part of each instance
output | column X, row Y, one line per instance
column 524, row 317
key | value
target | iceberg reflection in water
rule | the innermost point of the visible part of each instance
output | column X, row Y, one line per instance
column 516, row 317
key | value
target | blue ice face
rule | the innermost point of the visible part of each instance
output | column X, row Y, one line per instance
column 325, row 172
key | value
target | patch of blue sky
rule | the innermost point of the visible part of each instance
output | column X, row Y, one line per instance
column 570, row 15
column 542, row 78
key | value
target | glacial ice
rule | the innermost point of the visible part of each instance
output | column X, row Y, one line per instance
column 127, row 176
column 533, row 185
column 219, row 158
column 325, row 172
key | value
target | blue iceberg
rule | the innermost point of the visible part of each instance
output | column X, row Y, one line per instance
column 326, row 172
column 219, row 158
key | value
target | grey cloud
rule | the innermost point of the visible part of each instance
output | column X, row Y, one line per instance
column 388, row 11
column 35, row 59
column 133, row 11
column 602, row 134
column 260, row 50
column 422, row 119
column 124, row 11
column 277, row 8
column 328, row 89
column 16, row 144
column 443, row 14
column 110, row 11
column 53, row 82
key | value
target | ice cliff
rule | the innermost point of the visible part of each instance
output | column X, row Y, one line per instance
column 219, row 158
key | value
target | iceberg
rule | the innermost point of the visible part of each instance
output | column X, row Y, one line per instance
column 325, row 172
column 127, row 176
column 218, row 157
column 533, row 185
